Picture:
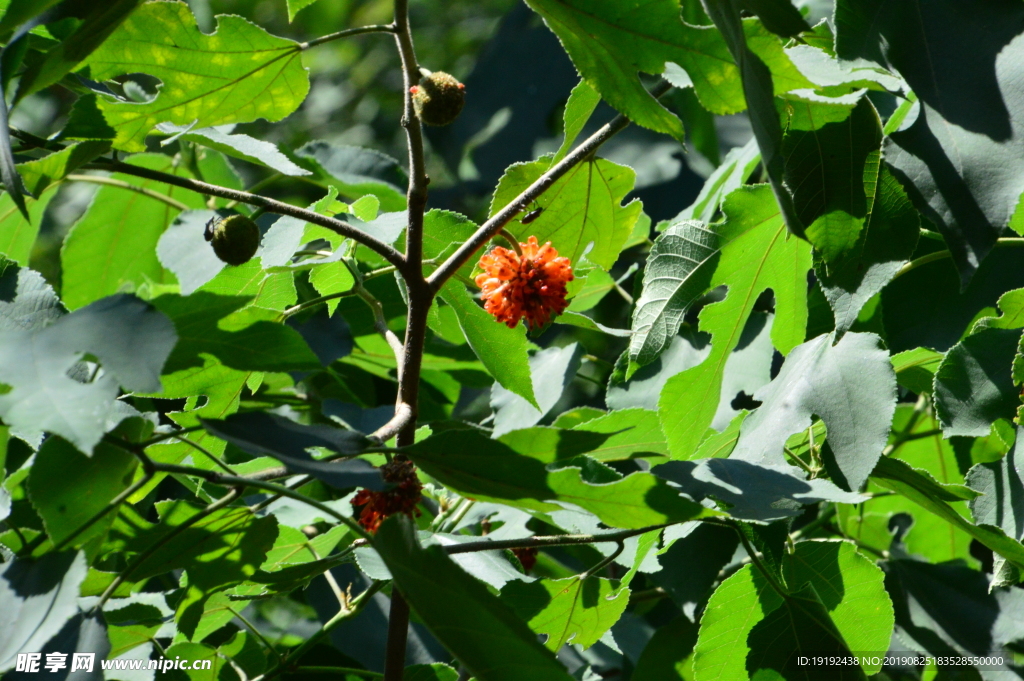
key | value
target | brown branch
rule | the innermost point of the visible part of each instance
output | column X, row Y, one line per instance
column 497, row 222
column 269, row 205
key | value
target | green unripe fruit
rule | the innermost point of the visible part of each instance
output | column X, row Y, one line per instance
column 438, row 98
column 234, row 238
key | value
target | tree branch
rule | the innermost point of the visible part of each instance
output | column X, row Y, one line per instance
column 121, row 184
column 497, row 222
column 547, row 541
column 375, row 28
column 270, row 205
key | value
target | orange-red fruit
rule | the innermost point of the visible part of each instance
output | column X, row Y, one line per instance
column 374, row 507
column 531, row 286
column 438, row 98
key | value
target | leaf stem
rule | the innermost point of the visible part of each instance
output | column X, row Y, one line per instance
column 359, row 30
column 540, row 542
column 942, row 255
column 270, row 205
column 355, row 607
column 121, row 184
column 111, row 505
column 242, row 482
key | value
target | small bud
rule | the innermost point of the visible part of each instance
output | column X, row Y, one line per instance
column 235, row 238
column 438, row 98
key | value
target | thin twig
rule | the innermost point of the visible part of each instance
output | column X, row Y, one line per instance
column 270, row 205
column 162, row 541
column 242, row 482
column 121, row 184
column 359, row 30
column 539, row 542
column 942, row 255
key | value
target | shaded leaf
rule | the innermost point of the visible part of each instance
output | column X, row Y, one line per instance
column 573, row 610
column 924, row 491
column 212, row 81
column 850, row 385
column 503, row 351
column 733, row 172
column 474, row 465
column 476, row 626
column 260, row 433
column 753, row 491
column 42, row 173
column 753, row 225
column 99, row 22
column 631, row 433
column 973, row 385
column 947, row 609
column 237, row 145
column 26, row 301
column 255, row 343
column 915, row 369
column 955, row 149
column 131, row 340
column 37, row 599
column 113, row 246
column 356, row 172
column 1001, row 502
column 667, row 656
column 68, row 488
column 758, row 84
column 610, row 43
column 551, row 371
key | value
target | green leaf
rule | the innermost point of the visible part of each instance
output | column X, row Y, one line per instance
column 759, row 87
column 582, row 206
column 849, row 384
column 68, row 488
column 733, row 172
column 551, row 372
column 761, row 492
column 678, row 273
column 915, row 369
column 499, row 470
column 778, row 16
column 197, row 652
column 632, row 433
column 27, row 302
column 667, row 656
column 849, row 610
column 929, row 536
column 800, row 625
column 885, row 245
column 949, row 609
column 973, row 384
column 255, row 344
column 296, row 6
column 356, row 172
column 925, row 307
column 466, row 618
column 576, row 610
column 503, row 351
column 757, row 254
column 18, row 235
column 238, row 74
column 37, row 599
column 100, row 21
column 40, row 174
column 113, row 246
column 964, row 111
column 582, row 101
column 924, row 491
column 1001, row 487
column 430, row 672
column 236, row 145
column 609, row 43
column 830, row 167
column 131, row 341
